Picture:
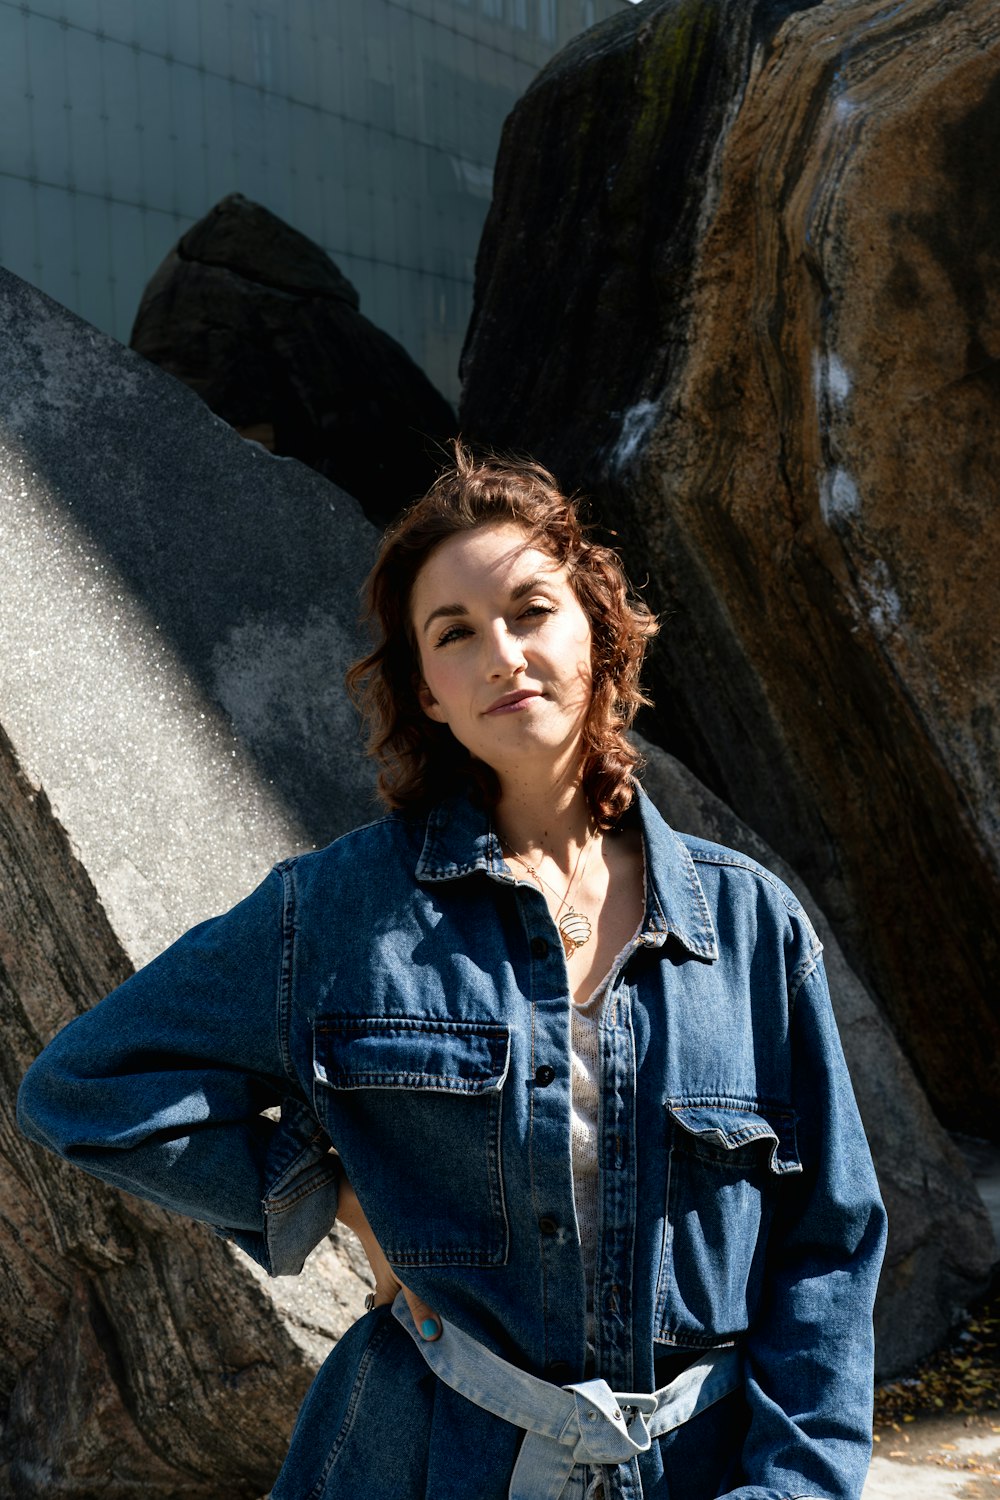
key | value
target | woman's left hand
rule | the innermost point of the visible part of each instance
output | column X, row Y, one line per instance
column 387, row 1283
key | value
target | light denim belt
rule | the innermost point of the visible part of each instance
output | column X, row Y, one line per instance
column 568, row 1428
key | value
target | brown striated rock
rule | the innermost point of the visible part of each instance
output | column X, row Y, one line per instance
column 941, row 1245
column 122, row 1373
column 770, row 268
column 259, row 321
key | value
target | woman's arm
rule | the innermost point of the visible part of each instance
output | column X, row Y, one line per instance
column 161, row 1088
column 810, row 1352
column 387, row 1283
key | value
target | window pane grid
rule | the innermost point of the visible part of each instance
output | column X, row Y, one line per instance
column 369, row 125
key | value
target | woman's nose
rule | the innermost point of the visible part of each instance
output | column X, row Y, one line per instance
column 507, row 653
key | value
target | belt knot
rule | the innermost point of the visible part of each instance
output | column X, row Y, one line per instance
column 611, row 1427
column 567, row 1427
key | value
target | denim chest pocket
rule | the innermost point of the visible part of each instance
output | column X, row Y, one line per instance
column 728, row 1164
column 414, row 1105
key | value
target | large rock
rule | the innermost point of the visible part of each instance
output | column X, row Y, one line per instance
column 259, row 321
column 941, row 1244
column 750, row 279
column 141, row 1354
column 176, row 614
column 177, row 611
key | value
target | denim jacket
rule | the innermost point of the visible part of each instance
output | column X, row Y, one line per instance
column 402, row 995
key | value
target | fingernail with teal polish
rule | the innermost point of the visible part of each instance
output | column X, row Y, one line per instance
column 429, row 1328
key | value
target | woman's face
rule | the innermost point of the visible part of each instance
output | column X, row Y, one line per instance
column 504, row 649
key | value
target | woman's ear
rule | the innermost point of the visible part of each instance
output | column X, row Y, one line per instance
column 429, row 703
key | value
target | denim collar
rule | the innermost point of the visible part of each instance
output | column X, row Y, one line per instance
column 460, row 841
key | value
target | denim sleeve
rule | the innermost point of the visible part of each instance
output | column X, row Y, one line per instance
column 160, row 1089
column 810, row 1355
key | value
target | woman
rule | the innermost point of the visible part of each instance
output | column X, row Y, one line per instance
column 589, row 1112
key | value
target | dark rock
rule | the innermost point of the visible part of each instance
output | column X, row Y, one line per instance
column 259, row 321
column 747, row 279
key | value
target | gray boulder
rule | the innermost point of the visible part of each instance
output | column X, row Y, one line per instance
column 177, row 611
column 176, row 614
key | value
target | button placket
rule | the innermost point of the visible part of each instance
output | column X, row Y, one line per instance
column 618, row 1189
column 546, row 1080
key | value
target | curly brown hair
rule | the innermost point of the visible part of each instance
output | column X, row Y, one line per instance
column 420, row 761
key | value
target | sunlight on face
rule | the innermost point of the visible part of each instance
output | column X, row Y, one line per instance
column 504, row 649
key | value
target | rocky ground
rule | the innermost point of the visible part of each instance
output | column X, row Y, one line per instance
column 937, row 1430
column 938, row 1457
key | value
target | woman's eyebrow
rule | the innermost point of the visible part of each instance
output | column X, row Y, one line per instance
column 539, row 581
column 449, row 611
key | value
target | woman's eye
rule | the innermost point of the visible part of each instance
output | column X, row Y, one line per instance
column 538, row 609
column 453, row 633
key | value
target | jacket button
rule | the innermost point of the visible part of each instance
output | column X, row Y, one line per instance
column 548, row 1226
column 544, row 1075
column 539, row 947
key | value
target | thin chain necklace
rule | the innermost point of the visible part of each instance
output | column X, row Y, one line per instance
column 575, row 928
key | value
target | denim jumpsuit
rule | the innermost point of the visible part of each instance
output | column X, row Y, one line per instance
column 402, row 995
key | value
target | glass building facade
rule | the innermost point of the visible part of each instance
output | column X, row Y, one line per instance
column 369, row 125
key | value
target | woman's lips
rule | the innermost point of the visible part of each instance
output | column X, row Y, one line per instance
column 511, row 702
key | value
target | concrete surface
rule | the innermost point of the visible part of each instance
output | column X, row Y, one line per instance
column 938, row 1458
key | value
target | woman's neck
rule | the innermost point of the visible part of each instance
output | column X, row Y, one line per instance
column 554, row 821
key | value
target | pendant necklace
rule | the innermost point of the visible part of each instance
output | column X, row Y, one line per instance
column 575, row 927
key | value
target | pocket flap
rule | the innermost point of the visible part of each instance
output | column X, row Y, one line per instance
column 732, row 1126
column 410, row 1052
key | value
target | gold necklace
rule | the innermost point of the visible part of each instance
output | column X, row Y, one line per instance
column 575, row 927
